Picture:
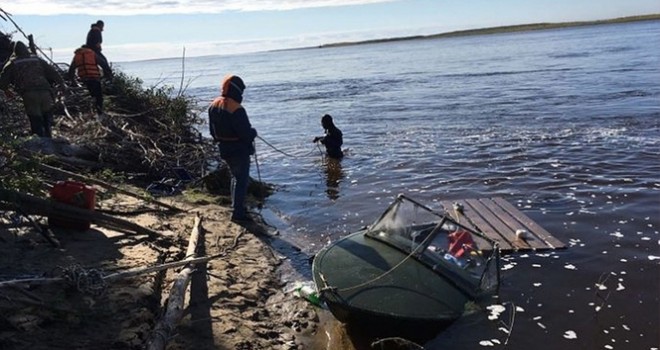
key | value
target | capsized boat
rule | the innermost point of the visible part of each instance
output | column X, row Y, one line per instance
column 410, row 274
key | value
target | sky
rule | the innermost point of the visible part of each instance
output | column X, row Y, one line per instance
column 142, row 29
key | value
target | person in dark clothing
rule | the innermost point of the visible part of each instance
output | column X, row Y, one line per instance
column 34, row 79
column 86, row 63
column 6, row 47
column 230, row 127
column 333, row 138
column 95, row 38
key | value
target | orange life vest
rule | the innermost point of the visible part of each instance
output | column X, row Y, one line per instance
column 85, row 63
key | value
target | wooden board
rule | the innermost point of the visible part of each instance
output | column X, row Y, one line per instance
column 500, row 220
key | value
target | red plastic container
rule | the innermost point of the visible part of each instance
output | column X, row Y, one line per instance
column 76, row 194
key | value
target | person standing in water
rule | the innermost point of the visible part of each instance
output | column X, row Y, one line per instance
column 333, row 139
column 230, row 127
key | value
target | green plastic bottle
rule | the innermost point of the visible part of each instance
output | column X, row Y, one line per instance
column 309, row 294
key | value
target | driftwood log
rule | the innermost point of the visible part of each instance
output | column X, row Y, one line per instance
column 113, row 276
column 175, row 302
column 12, row 200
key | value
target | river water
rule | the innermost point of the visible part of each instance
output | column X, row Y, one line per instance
column 563, row 123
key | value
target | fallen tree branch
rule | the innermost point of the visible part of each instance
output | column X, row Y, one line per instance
column 44, row 231
column 114, row 276
column 34, row 205
column 174, row 312
column 109, row 186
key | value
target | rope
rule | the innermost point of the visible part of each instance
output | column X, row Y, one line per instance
column 284, row 153
column 89, row 281
column 256, row 160
column 413, row 252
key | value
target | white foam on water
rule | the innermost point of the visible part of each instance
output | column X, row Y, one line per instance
column 495, row 311
column 620, row 287
column 617, row 234
column 570, row 267
column 537, row 284
column 570, row 335
column 508, row 267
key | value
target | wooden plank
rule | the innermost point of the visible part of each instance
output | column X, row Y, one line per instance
column 500, row 228
column 473, row 219
column 514, row 225
column 532, row 226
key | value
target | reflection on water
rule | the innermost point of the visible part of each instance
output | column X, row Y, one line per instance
column 333, row 176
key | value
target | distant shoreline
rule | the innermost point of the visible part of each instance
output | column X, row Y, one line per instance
column 497, row 30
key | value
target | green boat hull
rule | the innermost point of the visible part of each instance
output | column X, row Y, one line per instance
column 371, row 285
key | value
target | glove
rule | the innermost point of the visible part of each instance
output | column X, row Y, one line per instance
column 316, row 139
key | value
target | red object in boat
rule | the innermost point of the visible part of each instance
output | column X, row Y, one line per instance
column 76, row 194
column 460, row 242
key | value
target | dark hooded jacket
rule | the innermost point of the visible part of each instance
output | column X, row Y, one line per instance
column 95, row 37
column 333, row 139
column 27, row 72
column 229, row 123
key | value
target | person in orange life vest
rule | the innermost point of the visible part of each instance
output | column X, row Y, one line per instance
column 86, row 64
column 333, row 138
column 34, row 79
column 230, row 127
column 95, row 38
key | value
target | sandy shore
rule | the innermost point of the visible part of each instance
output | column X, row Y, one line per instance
column 235, row 301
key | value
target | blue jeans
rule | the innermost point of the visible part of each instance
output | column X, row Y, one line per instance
column 240, row 174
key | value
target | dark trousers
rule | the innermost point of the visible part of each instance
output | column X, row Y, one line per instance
column 240, row 174
column 39, row 109
column 96, row 91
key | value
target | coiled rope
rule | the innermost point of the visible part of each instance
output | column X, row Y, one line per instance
column 88, row 281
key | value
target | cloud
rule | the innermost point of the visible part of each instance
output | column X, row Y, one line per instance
column 146, row 7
